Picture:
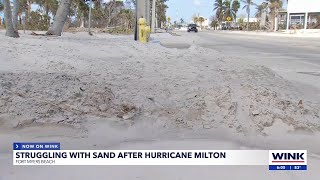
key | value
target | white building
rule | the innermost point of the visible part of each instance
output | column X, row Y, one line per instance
column 246, row 19
column 300, row 11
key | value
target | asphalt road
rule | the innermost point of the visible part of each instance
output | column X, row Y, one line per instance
column 296, row 59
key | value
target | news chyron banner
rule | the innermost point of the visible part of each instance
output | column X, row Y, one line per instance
column 25, row 153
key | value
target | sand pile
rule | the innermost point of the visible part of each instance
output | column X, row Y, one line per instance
column 28, row 98
column 244, row 103
column 194, row 88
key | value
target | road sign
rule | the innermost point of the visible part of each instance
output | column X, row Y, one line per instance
column 228, row 18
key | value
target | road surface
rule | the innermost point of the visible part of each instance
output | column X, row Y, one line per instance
column 295, row 59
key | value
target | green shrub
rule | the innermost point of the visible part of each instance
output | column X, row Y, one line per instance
column 38, row 22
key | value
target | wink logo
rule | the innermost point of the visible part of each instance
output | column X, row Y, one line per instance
column 288, row 156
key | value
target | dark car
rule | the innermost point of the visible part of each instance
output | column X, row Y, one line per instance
column 192, row 27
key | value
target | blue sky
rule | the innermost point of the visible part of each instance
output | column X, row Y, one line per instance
column 187, row 8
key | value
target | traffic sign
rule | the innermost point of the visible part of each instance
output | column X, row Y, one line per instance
column 229, row 18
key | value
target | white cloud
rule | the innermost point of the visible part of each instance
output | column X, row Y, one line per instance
column 197, row 2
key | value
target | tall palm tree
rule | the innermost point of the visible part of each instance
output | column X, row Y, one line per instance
column 219, row 8
column 274, row 6
column 161, row 9
column 8, row 18
column 60, row 18
column 235, row 8
column 247, row 5
column 195, row 19
column 260, row 9
column 227, row 10
column 201, row 20
column 15, row 13
column 181, row 21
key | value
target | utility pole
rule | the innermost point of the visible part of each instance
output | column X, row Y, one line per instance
column 136, row 22
column 153, row 21
column 90, row 17
column 148, row 6
column 140, row 13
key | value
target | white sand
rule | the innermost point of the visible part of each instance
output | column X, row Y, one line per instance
column 109, row 92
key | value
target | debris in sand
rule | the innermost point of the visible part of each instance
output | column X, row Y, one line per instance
column 255, row 112
column 300, row 104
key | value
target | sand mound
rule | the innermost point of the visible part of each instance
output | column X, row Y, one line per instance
column 247, row 101
column 194, row 88
column 28, row 98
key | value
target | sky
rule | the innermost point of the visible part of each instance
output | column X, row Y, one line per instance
column 187, row 8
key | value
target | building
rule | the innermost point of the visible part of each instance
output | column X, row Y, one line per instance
column 303, row 14
column 251, row 20
column 204, row 24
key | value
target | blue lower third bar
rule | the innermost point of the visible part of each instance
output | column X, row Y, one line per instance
column 288, row 167
column 36, row 146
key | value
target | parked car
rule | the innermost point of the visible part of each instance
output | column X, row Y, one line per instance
column 192, row 27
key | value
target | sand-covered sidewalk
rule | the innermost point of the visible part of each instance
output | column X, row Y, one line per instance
column 78, row 88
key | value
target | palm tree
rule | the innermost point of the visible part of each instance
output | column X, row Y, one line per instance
column 214, row 22
column 274, row 6
column 181, row 21
column 15, row 14
column 259, row 10
column 60, row 18
column 1, row 6
column 235, row 8
column 247, row 5
column 227, row 10
column 219, row 8
column 195, row 19
column 201, row 20
column 8, row 18
column 161, row 8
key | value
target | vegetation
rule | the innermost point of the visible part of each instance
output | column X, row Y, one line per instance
column 247, row 6
column 195, row 19
column 112, row 15
column 39, row 22
column 1, row 6
column 201, row 20
column 226, row 8
column 274, row 7
column 214, row 22
column 182, row 21
column 235, row 7
column 219, row 8
column 161, row 11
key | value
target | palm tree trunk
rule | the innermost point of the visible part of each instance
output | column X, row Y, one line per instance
column 8, row 18
column 15, row 15
column 82, row 21
column 248, row 17
column 60, row 18
column 46, row 8
column 29, row 10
